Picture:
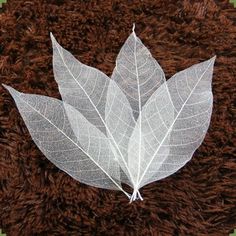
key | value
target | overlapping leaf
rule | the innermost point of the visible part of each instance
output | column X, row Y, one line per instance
column 134, row 128
column 83, row 155
column 173, row 123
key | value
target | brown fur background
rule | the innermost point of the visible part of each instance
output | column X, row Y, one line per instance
column 36, row 198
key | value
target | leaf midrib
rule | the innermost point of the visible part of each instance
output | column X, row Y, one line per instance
column 139, row 107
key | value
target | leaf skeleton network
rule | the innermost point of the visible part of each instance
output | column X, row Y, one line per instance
column 133, row 128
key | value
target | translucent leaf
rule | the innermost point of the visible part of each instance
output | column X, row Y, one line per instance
column 120, row 122
column 86, row 89
column 177, row 116
column 81, row 86
column 83, row 153
column 156, row 116
column 137, row 73
column 136, row 128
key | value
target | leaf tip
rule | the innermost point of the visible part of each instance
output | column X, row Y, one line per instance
column 54, row 41
column 213, row 59
column 11, row 90
column 133, row 29
column 52, row 37
column 6, row 86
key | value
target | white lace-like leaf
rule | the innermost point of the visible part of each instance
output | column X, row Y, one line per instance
column 120, row 121
column 83, row 152
column 173, row 124
column 136, row 128
column 81, row 86
column 85, row 88
column 137, row 73
column 157, row 114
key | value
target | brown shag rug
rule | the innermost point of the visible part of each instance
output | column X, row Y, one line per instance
column 36, row 198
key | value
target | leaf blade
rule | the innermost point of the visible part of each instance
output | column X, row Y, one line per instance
column 31, row 108
column 80, row 86
column 138, row 75
column 119, row 120
column 169, row 145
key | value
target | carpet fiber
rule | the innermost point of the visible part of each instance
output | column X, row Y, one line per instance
column 36, row 198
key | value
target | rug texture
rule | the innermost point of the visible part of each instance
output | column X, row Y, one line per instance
column 36, row 198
